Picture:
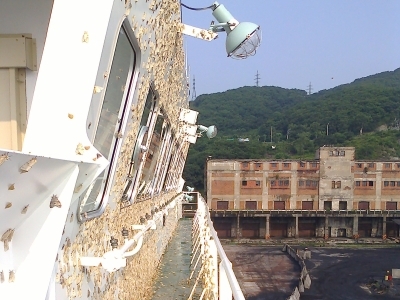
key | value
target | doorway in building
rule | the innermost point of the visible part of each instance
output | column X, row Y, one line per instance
column 392, row 229
column 223, row 227
column 341, row 232
column 278, row 228
column 306, row 230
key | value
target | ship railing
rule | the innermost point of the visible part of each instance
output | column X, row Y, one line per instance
column 219, row 280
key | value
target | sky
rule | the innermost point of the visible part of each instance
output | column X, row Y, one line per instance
column 323, row 42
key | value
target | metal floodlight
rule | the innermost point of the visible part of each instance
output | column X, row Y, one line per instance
column 242, row 40
column 209, row 131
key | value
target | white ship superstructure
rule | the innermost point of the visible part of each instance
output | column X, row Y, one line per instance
column 94, row 133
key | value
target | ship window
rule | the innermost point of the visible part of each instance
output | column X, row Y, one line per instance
column 141, row 164
column 164, row 156
column 170, row 181
column 112, row 121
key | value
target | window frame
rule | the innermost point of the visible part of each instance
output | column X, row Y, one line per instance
column 120, row 126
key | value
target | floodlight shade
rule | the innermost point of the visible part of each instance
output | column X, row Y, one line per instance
column 243, row 40
column 210, row 131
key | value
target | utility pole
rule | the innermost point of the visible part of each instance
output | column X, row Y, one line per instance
column 257, row 79
column 310, row 88
column 194, row 89
column 327, row 129
column 271, row 134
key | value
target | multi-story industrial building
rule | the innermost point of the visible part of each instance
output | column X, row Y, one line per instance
column 331, row 196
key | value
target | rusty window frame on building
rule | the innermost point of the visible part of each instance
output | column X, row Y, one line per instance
column 283, row 182
column 278, row 205
column 386, row 183
column 327, row 205
column 302, row 164
column 363, row 205
column 364, row 183
column 244, row 182
column 286, row 165
column 371, row 165
column 392, row 183
column 301, row 182
column 251, row 205
column 273, row 165
column 258, row 183
column 313, row 164
column 387, row 165
column 357, row 183
column 222, row 204
column 273, row 182
column 314, row 183
column 308, row 182
column 336, row 184
column 342, row 153
column 244, row 165
column 342, row 205
column 391, row 205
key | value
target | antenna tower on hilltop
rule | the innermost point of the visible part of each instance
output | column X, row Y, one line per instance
column 194, row 89
column 257, row 79
column 310, row 88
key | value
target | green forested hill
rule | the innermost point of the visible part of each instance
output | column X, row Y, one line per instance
column 364, row 114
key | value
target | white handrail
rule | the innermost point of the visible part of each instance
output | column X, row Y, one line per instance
column 202, row 212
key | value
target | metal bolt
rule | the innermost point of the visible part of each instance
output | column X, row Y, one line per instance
column 125, row 232
column 114, row 243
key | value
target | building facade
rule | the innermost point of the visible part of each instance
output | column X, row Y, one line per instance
column 332, row 195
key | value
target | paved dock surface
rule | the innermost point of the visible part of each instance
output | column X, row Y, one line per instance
column 263, row 272
column 344, row 273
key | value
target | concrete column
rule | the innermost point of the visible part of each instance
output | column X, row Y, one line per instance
column 296, row 235
column 238, row 232
column 326, row 228
column 267, row 235
column 355, row 225
column 384, row 226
